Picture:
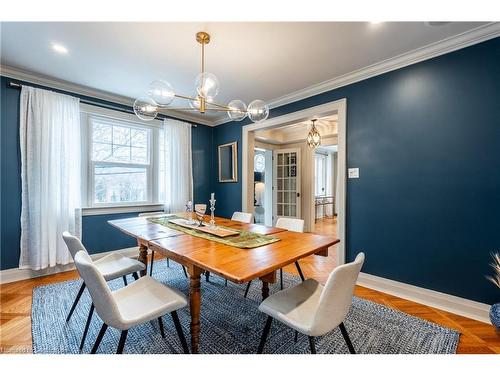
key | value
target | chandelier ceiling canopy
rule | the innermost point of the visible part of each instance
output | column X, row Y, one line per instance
column 161, row 94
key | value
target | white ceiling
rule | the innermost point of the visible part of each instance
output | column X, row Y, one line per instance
column 252, row 60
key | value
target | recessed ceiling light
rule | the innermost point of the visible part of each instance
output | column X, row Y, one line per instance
column 59, row 48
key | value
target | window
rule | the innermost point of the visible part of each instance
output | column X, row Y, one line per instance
column 320, row 170
column 124, row 159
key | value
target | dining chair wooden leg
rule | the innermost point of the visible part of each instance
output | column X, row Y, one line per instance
column 184, row 270
column 346, row 338
column 125, row 280
column 312, row 345
column 99, row 338
column 121, row 344
column 152, row 261
column 78, row 295
column 265, row 333
column 87, row 325
column 135, row 275
column 247, row 288
column 143, row 257
column 299, row 270
column 180, row 332
column 296, row 337
column 281, row 278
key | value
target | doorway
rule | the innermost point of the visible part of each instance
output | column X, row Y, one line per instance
column 325, row 189
column 256, row 135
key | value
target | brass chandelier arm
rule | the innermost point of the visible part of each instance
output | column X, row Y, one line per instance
column 177, row 109
column 185, row 97
column 220, row 106
column 224, row 110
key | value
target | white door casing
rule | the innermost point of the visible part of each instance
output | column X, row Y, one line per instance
column 338, row 107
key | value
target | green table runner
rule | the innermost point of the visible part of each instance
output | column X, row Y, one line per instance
column 244, row 240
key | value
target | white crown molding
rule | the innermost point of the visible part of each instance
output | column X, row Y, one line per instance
column 39, row 79
column 456, row 305
column 463, row 40
column 16, row 274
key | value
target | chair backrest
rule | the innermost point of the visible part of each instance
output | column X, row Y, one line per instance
column 73, row 243
column 291, row 224
column 243, row 217
column 151, row 214
column 336, row 298
column 102, row 297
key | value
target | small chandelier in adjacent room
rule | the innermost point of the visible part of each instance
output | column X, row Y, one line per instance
column 161, row 94
column 313, row 138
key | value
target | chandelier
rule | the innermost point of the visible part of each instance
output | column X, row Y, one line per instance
column 161, row 94
column 313, row 138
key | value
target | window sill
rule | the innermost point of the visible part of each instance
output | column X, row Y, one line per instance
column 91, row 211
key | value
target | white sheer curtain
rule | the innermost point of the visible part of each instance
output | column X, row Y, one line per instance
column 178, row 165
column 50, row 174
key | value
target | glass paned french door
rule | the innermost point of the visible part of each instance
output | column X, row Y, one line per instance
column 286, row 183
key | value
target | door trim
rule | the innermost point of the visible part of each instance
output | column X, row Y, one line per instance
column 340, row 108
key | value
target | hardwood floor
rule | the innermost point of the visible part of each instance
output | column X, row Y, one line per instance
column 15, row 306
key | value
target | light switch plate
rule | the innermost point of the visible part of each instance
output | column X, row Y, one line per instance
column 353, row 172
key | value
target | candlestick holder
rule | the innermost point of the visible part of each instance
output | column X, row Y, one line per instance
column 189, row 211
column 212, row 216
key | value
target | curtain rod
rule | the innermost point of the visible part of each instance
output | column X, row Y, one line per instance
column 16, row 85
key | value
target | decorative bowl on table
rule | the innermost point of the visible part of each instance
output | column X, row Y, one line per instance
column 199, row 210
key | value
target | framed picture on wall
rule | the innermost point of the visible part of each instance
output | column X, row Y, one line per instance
column 228, row 162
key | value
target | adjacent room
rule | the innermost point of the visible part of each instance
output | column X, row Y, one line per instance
column 330, row 188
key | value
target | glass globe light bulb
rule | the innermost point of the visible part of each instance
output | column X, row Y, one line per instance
column 145, row 108
column 238, row 110
column 258, row 110
column 195, row 103
column 161, row 92
column 207, row 85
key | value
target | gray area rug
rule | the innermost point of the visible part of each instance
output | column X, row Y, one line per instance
column 230, row 324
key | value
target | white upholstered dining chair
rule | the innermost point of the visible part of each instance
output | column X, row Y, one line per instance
column 313, row 309
column 140, row 302
column 112, row 266
column 243, row 217
column 293, row 225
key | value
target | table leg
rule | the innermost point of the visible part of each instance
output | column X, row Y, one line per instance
column 143, row 257
column 194, row 307
column 265, row 290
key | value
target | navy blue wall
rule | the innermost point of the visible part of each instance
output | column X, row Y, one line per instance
column 427, row 141
column 227, row 194
column 97, row 235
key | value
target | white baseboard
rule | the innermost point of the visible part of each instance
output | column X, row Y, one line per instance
column 456, row 305
column 16, row 274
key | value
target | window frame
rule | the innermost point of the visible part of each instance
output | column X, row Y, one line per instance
column 87, row 112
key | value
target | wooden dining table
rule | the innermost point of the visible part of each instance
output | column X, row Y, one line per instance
column 200, row 255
